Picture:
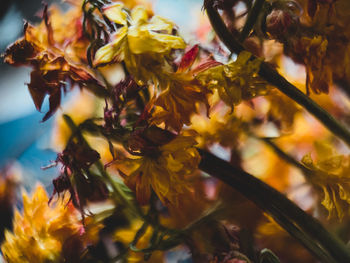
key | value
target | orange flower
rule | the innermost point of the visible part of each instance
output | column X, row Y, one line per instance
column 182, row 93
column 176, row 105
column 164, row 169
column 43, row 233
column 40, row 232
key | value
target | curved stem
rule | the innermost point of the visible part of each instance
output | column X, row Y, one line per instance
column 299, row 224
column 272, row 76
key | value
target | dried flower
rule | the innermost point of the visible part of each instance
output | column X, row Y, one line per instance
column 331, row 179
column 236, row 81
column 40, row 232
column 128, row 44
column 52, row 67
column 164, row 168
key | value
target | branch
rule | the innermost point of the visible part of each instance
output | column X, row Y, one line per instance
column 294, row 220
column 289, row 159
column 272, row 76
column 251, row 19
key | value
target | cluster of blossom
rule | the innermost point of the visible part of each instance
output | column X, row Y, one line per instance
column 150, row 104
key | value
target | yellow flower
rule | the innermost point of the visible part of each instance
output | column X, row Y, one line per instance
column 142, row 42
column 38, row 234
column 166, row 171
column 176, row 104
column 236, row 80
column 326, row 52
column 41, row 232
column 225, row 130
column 145, row 62
column 331, row 177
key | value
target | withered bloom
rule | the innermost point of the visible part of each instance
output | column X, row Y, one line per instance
column 122, row 95
column 163, row 162
column 53, row 66
column 76, row 177
column 183, row 93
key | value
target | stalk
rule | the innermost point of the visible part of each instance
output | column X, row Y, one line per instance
column 293, row 219
column 251, row 19
column 272, row 76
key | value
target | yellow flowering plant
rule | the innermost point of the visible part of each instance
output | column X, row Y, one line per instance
column 176, row 148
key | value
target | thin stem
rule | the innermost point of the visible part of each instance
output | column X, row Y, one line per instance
column 272, row 76
column 118, row 193
column 300, row 225
column 251, row 19
column 289, row 159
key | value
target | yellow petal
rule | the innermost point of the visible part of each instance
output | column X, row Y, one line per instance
column 139, row 15
column 116, row 13
column 141, row 40
column 158, row 23
column 173, row 165
column 112, row 51
column 327, row 201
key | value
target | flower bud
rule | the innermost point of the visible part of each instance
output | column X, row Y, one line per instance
column 280, row 23
column 283, row 20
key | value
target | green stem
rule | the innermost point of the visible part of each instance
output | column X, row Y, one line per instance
column 118, row 193
column 300, row 225
column 251, row 19
column 272, row 76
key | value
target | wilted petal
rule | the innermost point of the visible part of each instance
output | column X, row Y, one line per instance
column 188, row 59
column 116, row 13
column 157, row 43
column 139, row 15
column 37, row 88
column 113, row 51
column 19, row 53
column 54, row 102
